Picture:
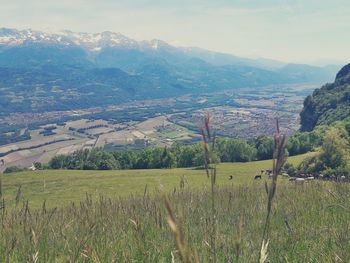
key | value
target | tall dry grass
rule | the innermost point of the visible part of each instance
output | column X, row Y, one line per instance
column 209, row 156
column 310, row 223
column 209, row 147
column 279, row 159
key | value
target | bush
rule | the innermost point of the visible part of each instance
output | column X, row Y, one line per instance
column 290, row 169
column 14, row 169
column 334, row 156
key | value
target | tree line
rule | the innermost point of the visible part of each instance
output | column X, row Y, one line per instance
column 227, row 150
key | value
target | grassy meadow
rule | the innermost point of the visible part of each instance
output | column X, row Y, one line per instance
column 310, row 222
column 61, row 187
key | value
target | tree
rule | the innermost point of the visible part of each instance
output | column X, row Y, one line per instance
column 235, row 150
column 265, row 147
column 293, row 146
column 335, row 148
column 58, row 162
column 106, row 161
column 143, row 159
column 168, row 159
column 126, row 159
column 190, row 155
column 334, row 156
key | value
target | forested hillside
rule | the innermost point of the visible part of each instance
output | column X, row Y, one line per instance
column 329, row 103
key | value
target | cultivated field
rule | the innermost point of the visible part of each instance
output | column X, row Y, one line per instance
column 85, row 133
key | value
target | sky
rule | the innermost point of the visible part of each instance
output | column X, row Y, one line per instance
column 303, row 31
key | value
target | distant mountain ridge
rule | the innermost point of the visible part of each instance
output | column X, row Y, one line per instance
column 328, row 104
column 96, row 42
column 46, row 71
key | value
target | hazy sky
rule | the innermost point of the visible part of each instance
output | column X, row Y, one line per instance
column 294, row 31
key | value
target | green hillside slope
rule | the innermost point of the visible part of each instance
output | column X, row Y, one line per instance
column 329, row 103
column 60, row 187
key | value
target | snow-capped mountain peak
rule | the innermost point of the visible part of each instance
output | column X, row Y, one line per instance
column 90, row 41
column 18, row 37
column 155, row 44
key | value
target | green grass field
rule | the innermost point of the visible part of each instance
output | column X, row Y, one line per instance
column 309, row 223
column 60, row 187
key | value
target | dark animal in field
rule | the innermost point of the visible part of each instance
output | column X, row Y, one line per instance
column 268, row 172
column 257, row 177
column 2, row 162
column 230, row 177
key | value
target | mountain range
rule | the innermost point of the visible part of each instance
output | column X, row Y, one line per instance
column 42, row 71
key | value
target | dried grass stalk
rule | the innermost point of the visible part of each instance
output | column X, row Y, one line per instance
column 186, row 254
column 279, row 159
